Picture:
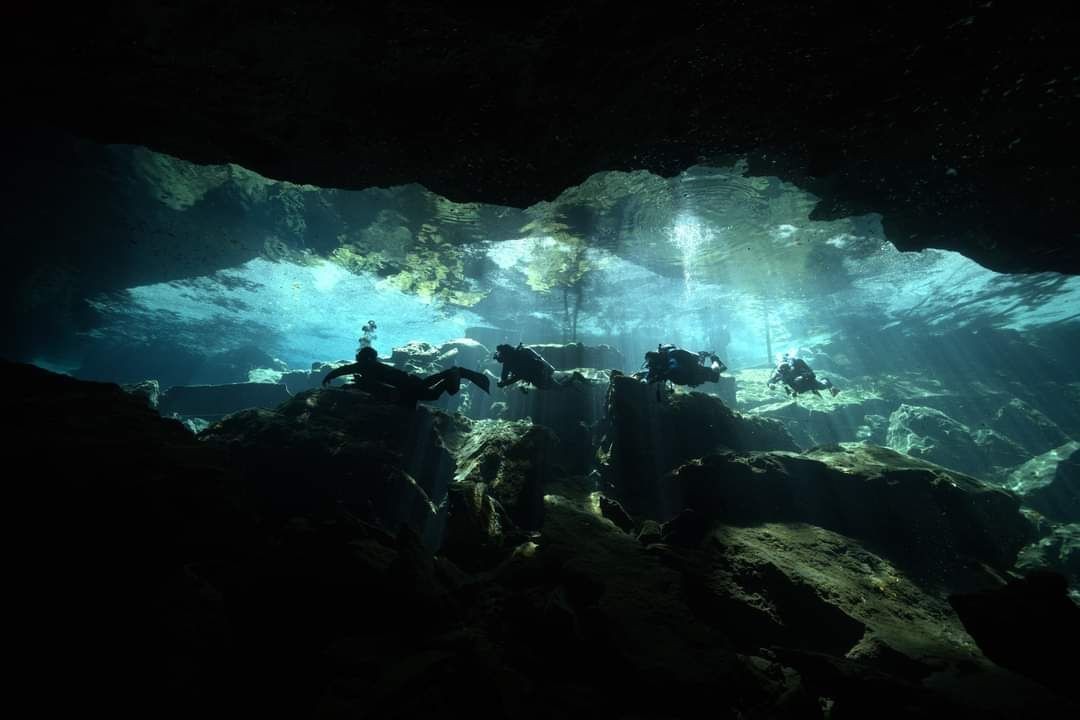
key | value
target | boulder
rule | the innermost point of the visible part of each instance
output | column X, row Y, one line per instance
column 724, row 388
column 643, row 439
column 148, row 391
column 570, row 412
column 650, row 532
column 999, row 452
column 752, row 390
column 1027, row 426
column 614, row 511
column 1058, row 551
column 221, row 567
column 421, row 590
column 1059, row 401
column 686, row 529
column 971, row 405
column 212, row 402
column 234, row 366
column 135, row 523
column 935, row 523
column 513, row 460
column 423, row 359
column 174, row 363
column 874, row 429
column 195, row 425
column 929, row 434
column 816, row 421
column 463, row 352
column 963, row 439
column 297, row 381
column 415, row 357
column 1019, row 626
column 658, row 628
column 1050, row 483
column 852, row 688
column 454, row 430
column 801, row 586
column 322, row 448
column 266, row 375
column 591, row 601
column 476, row 526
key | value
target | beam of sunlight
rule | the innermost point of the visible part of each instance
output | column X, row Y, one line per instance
column 690, row 236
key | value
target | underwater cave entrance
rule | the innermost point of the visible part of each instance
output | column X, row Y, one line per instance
column 192, row 262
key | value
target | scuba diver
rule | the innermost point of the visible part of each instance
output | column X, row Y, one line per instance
column 389, row 382
column 680, row 367
column 799, row 378
column 523, row 363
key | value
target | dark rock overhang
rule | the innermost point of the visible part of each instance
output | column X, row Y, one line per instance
column 956, row 122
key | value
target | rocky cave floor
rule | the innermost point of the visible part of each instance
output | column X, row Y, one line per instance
column 595, row 551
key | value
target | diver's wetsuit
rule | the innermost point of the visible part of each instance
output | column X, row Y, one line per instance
column 681, row 367
column 523, row 363
column 383, row 380
column 799, row 378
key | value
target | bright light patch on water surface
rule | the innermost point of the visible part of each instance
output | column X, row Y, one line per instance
column 299, row 313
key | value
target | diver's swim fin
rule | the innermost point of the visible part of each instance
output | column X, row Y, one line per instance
column 480, row 380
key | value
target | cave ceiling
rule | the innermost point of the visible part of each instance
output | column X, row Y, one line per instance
column 955, row 123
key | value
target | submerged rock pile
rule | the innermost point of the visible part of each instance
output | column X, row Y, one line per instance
column 338, row 555
column 646, row 437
